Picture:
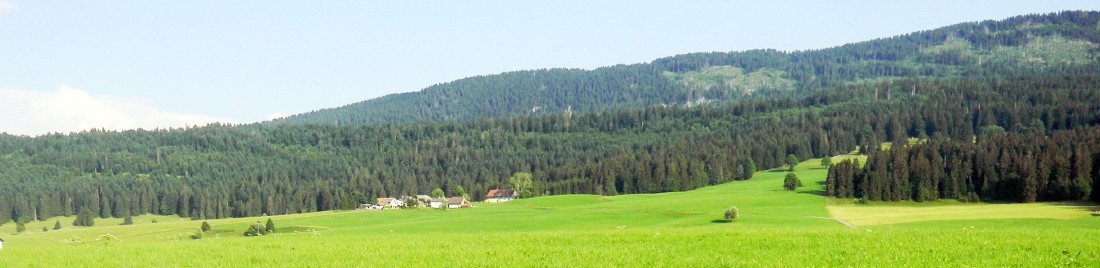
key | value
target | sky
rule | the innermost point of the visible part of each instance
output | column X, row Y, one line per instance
column 67, row 66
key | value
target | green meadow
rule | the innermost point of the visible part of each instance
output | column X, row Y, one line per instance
column 775, row 228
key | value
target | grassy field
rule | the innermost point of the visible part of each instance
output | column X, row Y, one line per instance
column 776, row 228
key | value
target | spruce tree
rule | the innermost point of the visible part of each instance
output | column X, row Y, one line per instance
column 269, row 227
column 205, row 226
column 57, row 225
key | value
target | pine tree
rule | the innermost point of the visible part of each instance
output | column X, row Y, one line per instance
column 827, row 161
column 20, row 227
column 205, row 226
column 57, row 225
column 128, row 221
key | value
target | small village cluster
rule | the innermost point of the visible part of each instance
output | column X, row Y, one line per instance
column 426, row 201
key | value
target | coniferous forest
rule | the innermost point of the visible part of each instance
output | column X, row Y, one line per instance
column 1001, row 110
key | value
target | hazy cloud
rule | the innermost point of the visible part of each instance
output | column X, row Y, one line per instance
column 26, row 112
column 6, row 6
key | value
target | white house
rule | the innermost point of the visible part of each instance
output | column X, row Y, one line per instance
column 436, row 203
column 391, row 202
column 1, row 243
column 500, row 196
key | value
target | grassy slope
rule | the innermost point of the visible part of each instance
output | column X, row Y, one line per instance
column 776, row 228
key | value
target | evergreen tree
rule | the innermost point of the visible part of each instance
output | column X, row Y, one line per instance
column 205, row 226
column 826, row 161
column 57, row 225
column 791, row 162
column 791, row 182
column 269, row 227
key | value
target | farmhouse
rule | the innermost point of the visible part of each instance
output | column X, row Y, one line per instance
column 500, row 196
column 390, row 202
column 436, row 202
column 457, row 202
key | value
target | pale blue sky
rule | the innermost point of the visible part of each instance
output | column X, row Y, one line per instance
column 244, row 60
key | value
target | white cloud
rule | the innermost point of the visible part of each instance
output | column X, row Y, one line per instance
column 6, row 6
column 26, row 112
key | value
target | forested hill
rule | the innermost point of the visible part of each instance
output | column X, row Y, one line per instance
column 1064, row 43
column 985, row 101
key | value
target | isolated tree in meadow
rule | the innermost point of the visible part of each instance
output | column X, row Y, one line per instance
column 791, row 182
column 731, row 214
column 269, row 227
column 791, row 162
column 521, row 182
column 827, row 161
column 57, row 225
column 205, row 226
column 128, row 221
column 20, row 227
column 438, row 193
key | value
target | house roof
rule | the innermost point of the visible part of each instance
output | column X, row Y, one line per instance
column 458, row 200
column 500, row 193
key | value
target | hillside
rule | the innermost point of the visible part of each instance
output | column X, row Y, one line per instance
column 221, row 171
column 1064, row 43
column 775, row 228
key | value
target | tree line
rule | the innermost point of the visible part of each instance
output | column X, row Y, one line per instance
column 1014, row 167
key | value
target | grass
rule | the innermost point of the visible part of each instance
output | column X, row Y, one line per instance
column 775, row 228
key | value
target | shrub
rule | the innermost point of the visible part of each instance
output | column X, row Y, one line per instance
column 731, row 214
column 20, row 227
column 44, row 229
column 154, row 220
column 128, row 221
column 205, row 226
column 196, row 236
column 256, row 229
column 791, row 182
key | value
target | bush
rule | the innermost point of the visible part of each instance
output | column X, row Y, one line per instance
column 256, row 229
column 791, row 182
column 154, row 220
column 731, row 214
column 44, row 229
column 20, row 227
column 196, row 236
column 205, row 226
